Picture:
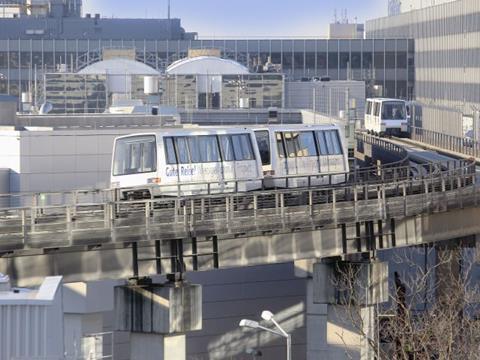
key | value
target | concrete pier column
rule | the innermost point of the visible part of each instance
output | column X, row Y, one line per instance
column 157, row 347
column 158, row 316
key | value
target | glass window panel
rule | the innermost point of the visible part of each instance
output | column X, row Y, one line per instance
column 182, row 150
column 306, row 144
column 393, row 110
column 195, row 150
column 321, row 61
column 227, row 148
column 344, row 60
column 170, row 151
column 337, row 147
column 135, row 155
column 263, row 142
column 333, row 60
column 149, row 157
column 356, row 61
column 209, row 148
column 280, row 147
column 242, row 147
column 203, row 148
column 322, row 143
column 329, row 140
column 289, row 144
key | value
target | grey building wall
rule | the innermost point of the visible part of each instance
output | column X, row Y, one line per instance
column 447, row 54
column 92, row 28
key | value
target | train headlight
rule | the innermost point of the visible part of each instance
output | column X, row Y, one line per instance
column 115, row 184
column 269, row 173
column 156, row 180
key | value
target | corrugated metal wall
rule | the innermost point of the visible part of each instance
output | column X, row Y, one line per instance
column 447, row 58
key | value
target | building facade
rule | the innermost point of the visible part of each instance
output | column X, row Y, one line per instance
column 447, row 59
column 387, row 63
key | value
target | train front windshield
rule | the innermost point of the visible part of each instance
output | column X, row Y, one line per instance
column 393, row 110
column 135, row 155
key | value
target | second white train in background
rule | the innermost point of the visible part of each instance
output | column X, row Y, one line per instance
column 386, row 117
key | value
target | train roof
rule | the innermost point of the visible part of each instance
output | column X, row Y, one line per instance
column 293, row 126
column 385, row 99
column 189, row 131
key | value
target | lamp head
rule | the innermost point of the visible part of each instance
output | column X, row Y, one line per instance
column 267, row 315
column 249, row 323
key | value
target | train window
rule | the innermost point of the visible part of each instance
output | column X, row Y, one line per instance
column 333, row 142
column 149, row 158
column 203, row 148
column 135, row 155
column 393, row 110
column 170, row 151
column 182, row 150
column 368, row 109
column 280, row 147
column 306, row 144
column 376, row 109
column 322, row 143
column 263, row 142
column 242, row 147
column 227, row 148
column 290, row 143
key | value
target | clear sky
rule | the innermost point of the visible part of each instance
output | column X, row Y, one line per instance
column 244, row 18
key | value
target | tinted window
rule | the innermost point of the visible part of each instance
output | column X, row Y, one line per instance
column 170, row 151
column 393, row 110
column 280, row 148
column 322, row 143
column 203, row 148
column 289, row 144
column 376, row 109
column 263, row 143
column 135, row 155
column 242, row 147
column 306, row 144
column 182, row 150
column 368, row 109
column 333, row 142
column 227, row 148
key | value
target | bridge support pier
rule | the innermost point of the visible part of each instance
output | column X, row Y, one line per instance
column 158, row 316
column 338, row 290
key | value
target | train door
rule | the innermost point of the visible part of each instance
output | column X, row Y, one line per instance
column 306, row 151
column 281, row 168
column 291, row 158
column 246, row 167
column 262, row 138
column 228, row 158
column 205, row 157
column 187, row 171
column 336, row 162
column 368, row 115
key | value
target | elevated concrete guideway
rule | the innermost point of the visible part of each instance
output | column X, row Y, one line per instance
column 103, row 237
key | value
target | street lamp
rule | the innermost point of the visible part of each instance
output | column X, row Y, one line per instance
column 268, row 316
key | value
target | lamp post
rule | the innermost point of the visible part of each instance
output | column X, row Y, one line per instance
column 268, row 316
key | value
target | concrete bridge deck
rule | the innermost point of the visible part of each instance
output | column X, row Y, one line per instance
column 106, row 238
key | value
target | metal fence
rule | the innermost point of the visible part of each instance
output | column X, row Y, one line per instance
column 464, row 146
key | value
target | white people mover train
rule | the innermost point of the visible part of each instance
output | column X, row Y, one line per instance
column 386, row 117
column 193, row 161
column 290, row 152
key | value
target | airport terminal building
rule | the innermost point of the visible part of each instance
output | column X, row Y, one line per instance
column 32, row 46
